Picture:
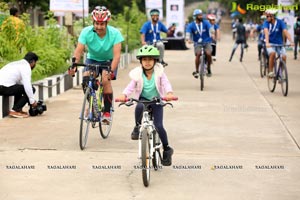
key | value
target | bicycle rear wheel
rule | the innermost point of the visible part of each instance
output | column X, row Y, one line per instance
column 85, row 119
column 145, row 159
column 105, row 127
column 156, row 160
column 284, row 78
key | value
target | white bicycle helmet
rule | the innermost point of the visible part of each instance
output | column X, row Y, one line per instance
column 271, row 11
column 101, row 14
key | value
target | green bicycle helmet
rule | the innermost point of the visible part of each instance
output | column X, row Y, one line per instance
column 148, row 51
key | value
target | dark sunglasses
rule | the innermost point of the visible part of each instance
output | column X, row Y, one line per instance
column 269, row 16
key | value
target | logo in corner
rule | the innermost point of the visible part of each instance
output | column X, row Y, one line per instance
column 237, row 7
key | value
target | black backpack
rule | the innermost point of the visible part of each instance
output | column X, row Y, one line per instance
column 297, row 29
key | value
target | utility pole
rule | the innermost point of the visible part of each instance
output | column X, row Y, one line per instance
column 83, row 24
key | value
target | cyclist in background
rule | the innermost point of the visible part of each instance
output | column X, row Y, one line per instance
column 260, row 30
column 103, row 44
column 150, row 33
column 149, row 81
column 274, row 29
column 200, row 32
column 216, row 36
column 296, row 36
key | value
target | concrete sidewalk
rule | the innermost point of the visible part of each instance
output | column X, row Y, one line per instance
column 234, row 140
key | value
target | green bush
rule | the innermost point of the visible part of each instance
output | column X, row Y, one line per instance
column 51, row 43
column 54, row 45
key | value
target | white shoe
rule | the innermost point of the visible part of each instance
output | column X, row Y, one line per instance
column 271, row 75
column 196, row 74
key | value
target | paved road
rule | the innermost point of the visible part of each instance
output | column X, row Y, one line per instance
column 235, row 140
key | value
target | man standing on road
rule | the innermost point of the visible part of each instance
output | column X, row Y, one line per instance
column 240, row 39
column 15, row 80
column 274, row 29
column 104, row 44
column 150, row 34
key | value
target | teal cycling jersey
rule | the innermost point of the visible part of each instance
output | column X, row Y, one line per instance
column 100, row 49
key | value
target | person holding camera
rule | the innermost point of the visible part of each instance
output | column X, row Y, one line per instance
column 15, row 80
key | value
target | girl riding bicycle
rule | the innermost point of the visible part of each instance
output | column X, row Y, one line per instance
column 149, row 81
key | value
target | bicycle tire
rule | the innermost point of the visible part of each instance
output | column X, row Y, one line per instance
column 156, row 154
column 145, row 158
column 265, row 64
column 105, row 128
column 84, row 120
column 284, row 79
column 261, row 66
column 272, row 81
column 202, row 73
column 201, row 82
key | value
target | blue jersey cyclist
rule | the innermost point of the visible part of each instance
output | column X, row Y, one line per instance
column 103, row 43
column 260, row 30
column 274, row 29
column 215, row 34
column 199, row 31
column 150, row 33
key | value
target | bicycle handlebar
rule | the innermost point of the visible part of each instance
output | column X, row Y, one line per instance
column 280, row 45
column 105, row 65
column 158, row 101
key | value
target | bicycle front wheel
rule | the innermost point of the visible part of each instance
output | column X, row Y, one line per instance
column 284, row 78
column 105, row 127
column 272, row 82
column 85, row 119
column 263, row 63
column 145, row 158
column 156, row 154
column 202, row 72
column 201, row 82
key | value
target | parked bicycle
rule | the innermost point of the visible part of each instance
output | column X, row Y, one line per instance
column 93, row 106
column 280, row 71
column 150, row 146
column 263, row 61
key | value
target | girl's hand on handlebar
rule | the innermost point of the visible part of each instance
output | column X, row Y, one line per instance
column 170, row 97
column 121, row 98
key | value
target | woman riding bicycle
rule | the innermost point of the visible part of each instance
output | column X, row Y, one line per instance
column 274, row 30
column 149, row 81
